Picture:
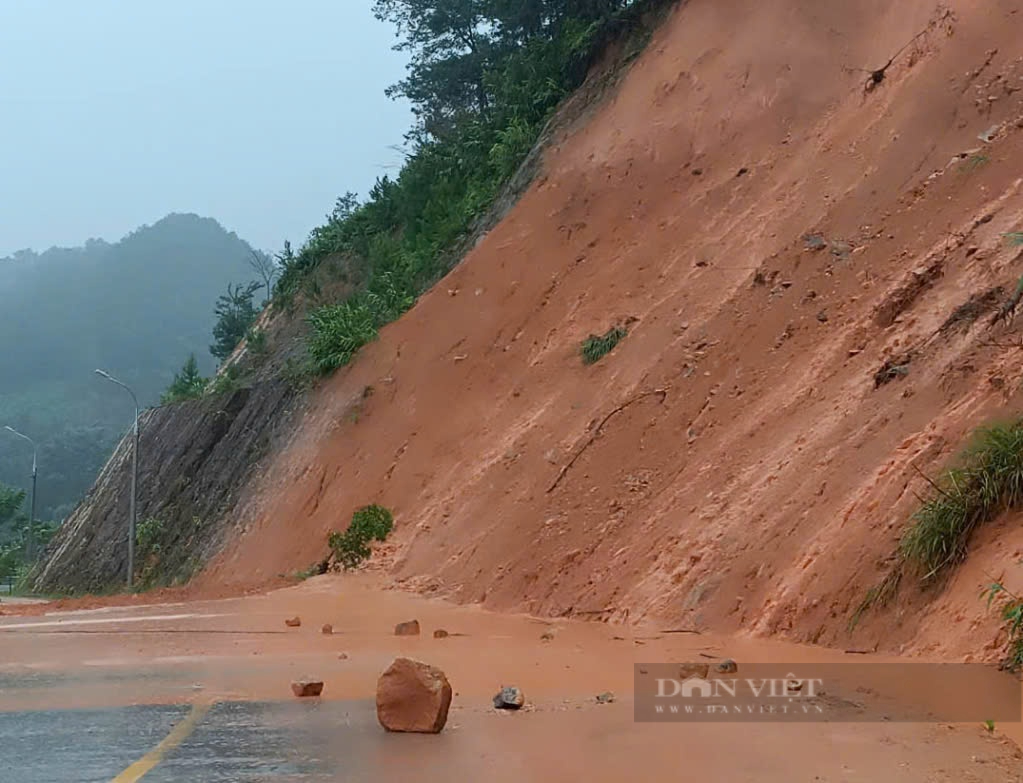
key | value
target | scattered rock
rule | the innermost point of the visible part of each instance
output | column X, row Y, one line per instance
column 440, row 633
column 410, row 628
column 306, row 688
column 547, row 636
column 727, row 666
column 343, row 657
column 413, row 696
column 815, row 241
column 697, row 172
column 687, row 670
column 742, row 171
column 510, row 698
column 896, row 367
column 294, row 622
column 327, row 629
column 605, row 698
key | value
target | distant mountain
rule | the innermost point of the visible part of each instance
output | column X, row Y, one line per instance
column 136, row 308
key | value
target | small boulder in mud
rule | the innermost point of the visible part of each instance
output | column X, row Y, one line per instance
column 440, row 633
column 327, row 629
column 413, row 696
column 687, row 670
column 293, row 622
column 307, row 687
column 727, row 666
column 510, row 698
column 411, row 628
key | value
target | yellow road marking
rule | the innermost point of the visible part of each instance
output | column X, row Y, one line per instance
column 177, row 735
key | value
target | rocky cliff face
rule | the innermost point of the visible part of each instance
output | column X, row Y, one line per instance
column 196, row 459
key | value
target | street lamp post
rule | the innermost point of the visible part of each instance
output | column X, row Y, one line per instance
column 32, row 514
column 134, row 478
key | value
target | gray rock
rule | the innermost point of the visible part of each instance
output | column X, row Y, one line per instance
column 510, row 698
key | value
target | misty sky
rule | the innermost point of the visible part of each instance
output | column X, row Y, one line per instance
column 258, row 113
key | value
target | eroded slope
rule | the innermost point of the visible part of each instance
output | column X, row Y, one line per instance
column 779, row 232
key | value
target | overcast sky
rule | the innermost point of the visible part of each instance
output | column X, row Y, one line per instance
column 258, row 113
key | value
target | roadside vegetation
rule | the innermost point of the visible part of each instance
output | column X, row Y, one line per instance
column 18, row 538
column 369, row 523
column 1012, row 616
column 987, row 482
column 148, row 533
column 188, row 383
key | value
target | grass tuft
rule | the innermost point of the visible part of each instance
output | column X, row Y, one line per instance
column 227, row 381
column 596, row 347
column 1012, row 616
column 879, row 595
column 988, row 481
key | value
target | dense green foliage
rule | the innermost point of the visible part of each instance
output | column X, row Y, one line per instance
column 136, row 308
column 484, row 78
column 597, row 346
column 12, row 516
column 235, row 313
column 15, row 535
column 369, row 523
column 988, row 481
column 148, row 533
column 188, row 383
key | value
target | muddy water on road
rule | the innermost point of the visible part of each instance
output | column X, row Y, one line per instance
column 237, row 652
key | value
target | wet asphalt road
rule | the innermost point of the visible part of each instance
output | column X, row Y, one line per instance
column 239, row 742
column 79, row 745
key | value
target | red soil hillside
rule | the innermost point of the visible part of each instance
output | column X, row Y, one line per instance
column 779, row 232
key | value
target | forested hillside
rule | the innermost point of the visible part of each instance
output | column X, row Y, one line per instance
column 136, row 308
column 484, row 77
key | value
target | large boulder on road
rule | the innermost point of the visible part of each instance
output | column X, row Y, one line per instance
column 413, row 696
